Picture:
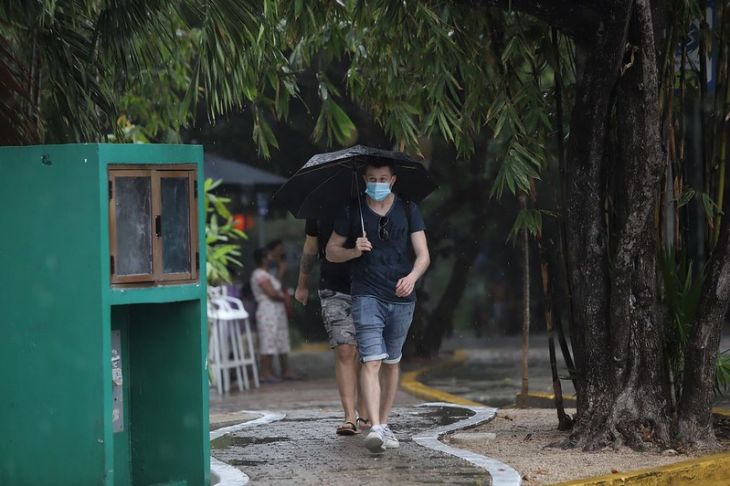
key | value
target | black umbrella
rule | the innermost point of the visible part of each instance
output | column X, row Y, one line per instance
column 329, row 180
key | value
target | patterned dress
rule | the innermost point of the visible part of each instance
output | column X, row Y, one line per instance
column 271, row 320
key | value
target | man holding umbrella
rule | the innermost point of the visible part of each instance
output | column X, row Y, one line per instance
column 385, row 230
column 383, row 275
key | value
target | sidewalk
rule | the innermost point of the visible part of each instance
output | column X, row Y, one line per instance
column 304, row 449
column 316, row 390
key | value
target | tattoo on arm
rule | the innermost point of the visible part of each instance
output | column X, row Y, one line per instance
column 307, row 263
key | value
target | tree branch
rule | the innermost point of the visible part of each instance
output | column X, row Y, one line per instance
column 579, row 20
column 695, row 420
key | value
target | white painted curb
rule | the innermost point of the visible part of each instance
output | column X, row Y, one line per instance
column 223, row 474
column 501, row 473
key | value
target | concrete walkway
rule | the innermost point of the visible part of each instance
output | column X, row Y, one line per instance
column 303, row 448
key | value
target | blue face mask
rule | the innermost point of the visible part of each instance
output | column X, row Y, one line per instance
column 378, row 190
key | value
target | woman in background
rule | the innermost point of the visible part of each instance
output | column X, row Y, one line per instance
column 271, row 320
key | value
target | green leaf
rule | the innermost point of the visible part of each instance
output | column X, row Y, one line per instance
column 686, row 197
column 529, row 220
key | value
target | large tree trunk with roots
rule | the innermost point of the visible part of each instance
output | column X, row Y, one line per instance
column 635, row 407
column 614, row 162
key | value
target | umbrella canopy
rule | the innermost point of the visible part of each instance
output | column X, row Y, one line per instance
column 329, row 180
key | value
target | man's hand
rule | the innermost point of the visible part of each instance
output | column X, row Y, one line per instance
column 404, row 287
column 301, row 294
column 362, row 245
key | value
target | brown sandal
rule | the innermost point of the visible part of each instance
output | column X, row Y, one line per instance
column 348, row 428
column 365, row 423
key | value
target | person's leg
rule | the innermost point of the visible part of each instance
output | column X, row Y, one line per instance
column 267, row 349
column 368, row 315
column 398, row 321
column 284, row 364
column 363, row 419
column 389, row 374
column 266, row 372
column 370, row 384
column 281, row 342
column 337, row 319
column 346, row 375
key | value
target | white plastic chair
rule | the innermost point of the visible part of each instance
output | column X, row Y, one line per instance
column 227, row 316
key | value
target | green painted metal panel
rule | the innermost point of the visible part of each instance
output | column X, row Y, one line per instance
column 52, row 352
column 151, row 154
column 57, row 312
column 167, row 407
column 156, row 295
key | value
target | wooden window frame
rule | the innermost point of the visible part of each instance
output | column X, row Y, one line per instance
column 156, row 173
column 158, row 263
column 136, row 278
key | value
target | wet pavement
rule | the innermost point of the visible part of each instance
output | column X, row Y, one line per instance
column 303, row 449
column 491, row 375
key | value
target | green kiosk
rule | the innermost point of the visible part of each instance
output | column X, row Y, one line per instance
column 103, row 335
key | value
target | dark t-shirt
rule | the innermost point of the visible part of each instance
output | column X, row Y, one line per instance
column 377, row 272
column 332, row 276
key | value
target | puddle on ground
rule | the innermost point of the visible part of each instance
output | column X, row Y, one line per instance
column 242, row 462
column 232, row 441
column 447, row 415
column 494, row 384
column 309, row 419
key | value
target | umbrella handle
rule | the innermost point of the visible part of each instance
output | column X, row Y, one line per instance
column 359, row 203
column 362, row 223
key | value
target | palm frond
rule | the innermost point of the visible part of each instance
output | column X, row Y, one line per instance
column 18, row 114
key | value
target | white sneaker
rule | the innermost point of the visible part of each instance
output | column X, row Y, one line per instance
column 389, row 439
column 375, row 441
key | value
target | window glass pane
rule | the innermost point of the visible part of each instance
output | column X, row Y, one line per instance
column 134, row 233
column 175, row 224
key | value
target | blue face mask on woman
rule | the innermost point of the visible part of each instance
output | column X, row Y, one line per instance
column 378, row 190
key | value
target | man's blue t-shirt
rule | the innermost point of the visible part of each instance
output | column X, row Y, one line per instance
column 377, row 272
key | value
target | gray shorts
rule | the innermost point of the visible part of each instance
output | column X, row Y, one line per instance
column 337, row 317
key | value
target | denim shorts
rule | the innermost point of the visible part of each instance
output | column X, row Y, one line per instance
column 381, row 327
column 337, row 317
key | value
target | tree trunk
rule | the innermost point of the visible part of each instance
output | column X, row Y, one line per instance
column 624, row 399
column 618, row 340
column 565, row 422
column 641, row 409
column 562, row 191
column 695, row 418
column 522, row 402
column 587, row 238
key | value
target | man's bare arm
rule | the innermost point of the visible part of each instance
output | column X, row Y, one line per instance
column 306, row 264
column 423, row 258
column 337, row 253
column 404, row 287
